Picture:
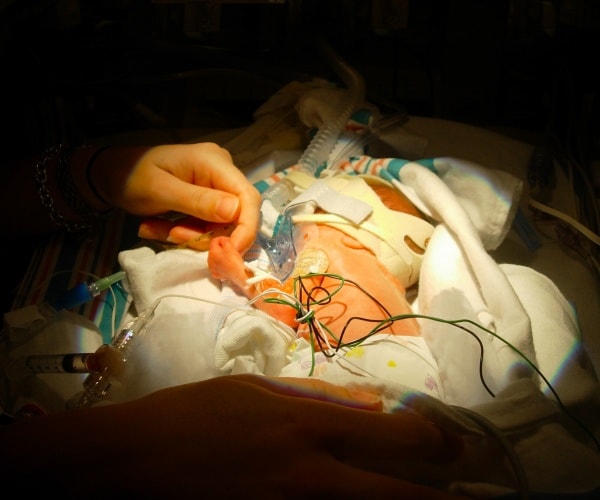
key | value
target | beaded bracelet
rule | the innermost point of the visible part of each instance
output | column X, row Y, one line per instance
column 67, row 190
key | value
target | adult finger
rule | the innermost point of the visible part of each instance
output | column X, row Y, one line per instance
column 211, row 204
column 346, row 481
column 248, row 221
column 187, row 232
column 321, row 390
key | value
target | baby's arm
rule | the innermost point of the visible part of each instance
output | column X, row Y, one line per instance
column 226, row 263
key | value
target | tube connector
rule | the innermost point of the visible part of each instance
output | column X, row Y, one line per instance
column 84, row 292
column 318, row 151
column 109, row 360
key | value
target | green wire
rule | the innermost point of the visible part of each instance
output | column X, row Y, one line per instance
column 458, row 323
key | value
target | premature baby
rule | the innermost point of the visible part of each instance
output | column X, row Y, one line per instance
column 375, row 271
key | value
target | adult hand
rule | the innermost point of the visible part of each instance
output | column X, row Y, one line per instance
column 199, row 180
column 236, row 436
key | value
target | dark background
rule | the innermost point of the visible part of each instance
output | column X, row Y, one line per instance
column 74, row 70
column 77, row 71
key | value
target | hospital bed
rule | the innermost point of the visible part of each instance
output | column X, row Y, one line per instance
column 540, row 349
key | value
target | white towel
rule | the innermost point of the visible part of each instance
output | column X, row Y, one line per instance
column 459, row 279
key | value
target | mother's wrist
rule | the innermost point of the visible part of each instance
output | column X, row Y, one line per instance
column 84, row 163
column 60, row 176
column 89, row 176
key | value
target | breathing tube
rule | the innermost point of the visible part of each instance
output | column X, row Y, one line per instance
column 279, row 247
column 322, row 144
column 325, row 139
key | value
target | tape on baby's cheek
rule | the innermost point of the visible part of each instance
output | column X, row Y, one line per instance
column 334, row 202
column 311, row 260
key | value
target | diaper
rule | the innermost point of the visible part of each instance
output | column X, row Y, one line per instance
column 393, row 358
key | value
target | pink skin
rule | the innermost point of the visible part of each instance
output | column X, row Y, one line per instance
column 347, row 258
column 226, row 263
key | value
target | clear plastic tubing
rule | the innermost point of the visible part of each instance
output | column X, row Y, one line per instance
column 322, row 144
column 317, row 152
column 84, row 292
column 110, row 361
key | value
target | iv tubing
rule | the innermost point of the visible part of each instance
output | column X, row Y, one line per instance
column 84, row 292
column 103, row 283
column 317, row 152
column 112, row 359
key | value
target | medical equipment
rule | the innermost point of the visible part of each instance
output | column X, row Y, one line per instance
column 317, row 152
column 21, row 323
column 110, row 360
column 82, row 362
column 84, row 292
column 279, row 246
column 324, row 141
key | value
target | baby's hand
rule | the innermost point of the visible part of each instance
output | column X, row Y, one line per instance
column 226, row 263
column 187, row 232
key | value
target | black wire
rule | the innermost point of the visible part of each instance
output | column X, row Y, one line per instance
column 314, row 334
column 382, row 323
column 327, row 299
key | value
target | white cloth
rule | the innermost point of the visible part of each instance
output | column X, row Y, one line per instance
column 392, row 358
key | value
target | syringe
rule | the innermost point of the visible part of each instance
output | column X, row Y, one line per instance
column 24, row 366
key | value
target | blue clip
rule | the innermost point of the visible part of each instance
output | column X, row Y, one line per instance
column 280, row 248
